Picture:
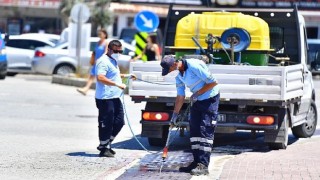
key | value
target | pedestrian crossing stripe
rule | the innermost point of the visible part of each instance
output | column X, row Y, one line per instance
column 141, row 43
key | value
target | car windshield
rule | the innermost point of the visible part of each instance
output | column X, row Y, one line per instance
column 55, row 41
column 58, row 44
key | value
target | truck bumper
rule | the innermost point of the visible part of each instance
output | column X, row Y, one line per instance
column 230, row 122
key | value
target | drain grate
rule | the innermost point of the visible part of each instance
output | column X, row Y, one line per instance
column 149, row 167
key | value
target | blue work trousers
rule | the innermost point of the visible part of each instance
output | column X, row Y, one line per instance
column 203, row 114
column 110, row 119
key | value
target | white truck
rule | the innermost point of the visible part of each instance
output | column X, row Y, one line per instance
column 272, row 97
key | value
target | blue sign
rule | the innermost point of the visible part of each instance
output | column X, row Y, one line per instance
column 146, row 21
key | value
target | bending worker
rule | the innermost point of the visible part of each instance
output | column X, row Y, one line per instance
column 204, row 111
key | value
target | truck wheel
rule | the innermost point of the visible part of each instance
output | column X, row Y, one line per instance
column 160, row 142
column 11, row 73
column 307, row 129
column 280, row 136
column 2, row 76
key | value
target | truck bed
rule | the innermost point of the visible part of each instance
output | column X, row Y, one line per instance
column 237, row 82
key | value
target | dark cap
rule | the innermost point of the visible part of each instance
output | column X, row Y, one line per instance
column 166, row 63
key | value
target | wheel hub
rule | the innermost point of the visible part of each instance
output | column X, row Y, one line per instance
column 310, row 118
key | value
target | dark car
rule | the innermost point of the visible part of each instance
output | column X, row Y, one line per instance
column 3, row 58
column 314, row 55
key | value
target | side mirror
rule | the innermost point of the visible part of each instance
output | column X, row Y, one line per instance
column 317, row 57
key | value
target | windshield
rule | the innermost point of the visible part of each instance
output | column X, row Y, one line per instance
column 58, row 44
column 55, row 41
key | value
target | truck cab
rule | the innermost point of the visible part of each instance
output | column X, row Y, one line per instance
column 314, row 56
column 259, row 59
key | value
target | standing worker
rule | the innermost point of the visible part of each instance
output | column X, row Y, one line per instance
column 204, row 111
column 101, row 48
column 109, row 88
column 151, row 50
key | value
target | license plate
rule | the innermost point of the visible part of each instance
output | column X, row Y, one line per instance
column 221, row 118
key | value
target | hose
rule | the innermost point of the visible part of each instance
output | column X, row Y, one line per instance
column 130, row 127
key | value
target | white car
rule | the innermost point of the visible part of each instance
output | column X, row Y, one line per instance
column 56, row 60
column 20, row 51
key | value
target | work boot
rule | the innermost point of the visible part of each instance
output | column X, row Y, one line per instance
column 200, row 170
column 188, row 168
column 112, row 151
column 106, row 153
column 103, row 147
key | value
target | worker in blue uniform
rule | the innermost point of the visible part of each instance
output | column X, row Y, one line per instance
column 109, row 88
column 195, row 75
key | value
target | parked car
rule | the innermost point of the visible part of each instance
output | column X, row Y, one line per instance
column 56, row 60
column 51, row 37
column 314, row 56
column 3, row 58
column 20, row 51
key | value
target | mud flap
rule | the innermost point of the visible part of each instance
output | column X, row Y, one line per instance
column 152, row 131
column 278, row 138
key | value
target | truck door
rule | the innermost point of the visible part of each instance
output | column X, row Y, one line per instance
column 300, row 109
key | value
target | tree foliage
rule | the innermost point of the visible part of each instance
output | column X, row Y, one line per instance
column 100, row 13
column 101, row 16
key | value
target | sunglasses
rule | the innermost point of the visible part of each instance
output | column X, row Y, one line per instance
column 117, row 51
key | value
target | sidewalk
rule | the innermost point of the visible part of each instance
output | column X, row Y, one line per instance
column 300, row 160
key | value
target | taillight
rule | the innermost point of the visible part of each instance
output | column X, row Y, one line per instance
column 155, row 116
column 260, row 120
column 39, row 54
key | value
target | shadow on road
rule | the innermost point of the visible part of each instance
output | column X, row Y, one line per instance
column 224, row 144
column 239, row 140
column 178, row 143
column 82, row 154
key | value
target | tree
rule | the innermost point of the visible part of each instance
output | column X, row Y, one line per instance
column 101, row 16
column 65, row 8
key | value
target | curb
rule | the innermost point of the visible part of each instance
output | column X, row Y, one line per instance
column 73, row 81
column 70, row 81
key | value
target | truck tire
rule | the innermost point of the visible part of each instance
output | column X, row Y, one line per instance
column 278, row 139
column 2, row 76
column 160, row 142
column 11, row 73
column 307, row 129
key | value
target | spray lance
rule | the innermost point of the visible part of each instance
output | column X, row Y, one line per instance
column 168, row 142
column 166, row 148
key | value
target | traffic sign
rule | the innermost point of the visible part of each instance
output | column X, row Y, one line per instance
column 80, row 12
column 146, row 21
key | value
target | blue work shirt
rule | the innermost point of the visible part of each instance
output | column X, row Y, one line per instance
column 195, row 76
column 110, row 69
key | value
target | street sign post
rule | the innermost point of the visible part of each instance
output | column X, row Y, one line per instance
column 80, row 14
column 146, row 21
